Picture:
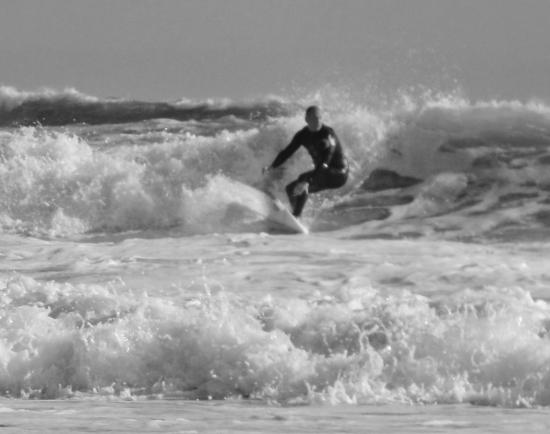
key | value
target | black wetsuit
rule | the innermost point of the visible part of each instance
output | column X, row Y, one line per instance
column 331, row 167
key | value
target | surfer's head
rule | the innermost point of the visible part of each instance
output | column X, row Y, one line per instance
column 313, row 118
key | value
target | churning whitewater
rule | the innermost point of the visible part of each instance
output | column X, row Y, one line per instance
column 126, row 271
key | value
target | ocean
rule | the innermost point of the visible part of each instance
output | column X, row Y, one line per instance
column 143, row 288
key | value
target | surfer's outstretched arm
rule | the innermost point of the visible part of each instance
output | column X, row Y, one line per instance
column 287, row 152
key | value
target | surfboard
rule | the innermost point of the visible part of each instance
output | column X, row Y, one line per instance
column 256, row 208
column 281, row 215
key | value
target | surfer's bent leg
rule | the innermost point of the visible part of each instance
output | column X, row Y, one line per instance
column 327, row 179
column 318, row 181
column 297, row 202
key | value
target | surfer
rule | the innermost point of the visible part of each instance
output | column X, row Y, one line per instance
column 331, row 167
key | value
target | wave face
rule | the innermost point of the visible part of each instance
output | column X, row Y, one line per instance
column 436, row 167
column 460, row 170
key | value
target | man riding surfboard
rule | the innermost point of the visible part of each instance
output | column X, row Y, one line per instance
column 331, row 167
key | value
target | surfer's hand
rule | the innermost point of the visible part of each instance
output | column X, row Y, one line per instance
column 301, row 187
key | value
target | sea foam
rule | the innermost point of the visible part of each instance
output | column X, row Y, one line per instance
column 355, row 345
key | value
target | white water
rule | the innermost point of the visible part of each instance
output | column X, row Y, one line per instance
column 121, row 278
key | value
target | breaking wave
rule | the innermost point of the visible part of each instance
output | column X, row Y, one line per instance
column 432, row 167
column 488, row 347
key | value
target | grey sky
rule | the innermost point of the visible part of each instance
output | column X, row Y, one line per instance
column 167, row 49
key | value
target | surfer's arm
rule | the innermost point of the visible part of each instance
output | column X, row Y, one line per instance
column 287, row 152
